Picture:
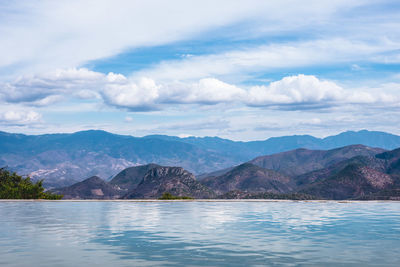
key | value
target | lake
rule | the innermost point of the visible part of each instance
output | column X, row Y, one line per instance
column 287, row 233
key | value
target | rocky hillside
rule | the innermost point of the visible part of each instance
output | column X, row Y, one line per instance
column 63, row 159
column 251, row 178
column 300, row 161
column 130, row 178
column 91, row 188
column 392, row 161
column 357, row 178
column 330, row 170
column 352, row 172
column 365, row 176
column 354, row 181
column 174, row 180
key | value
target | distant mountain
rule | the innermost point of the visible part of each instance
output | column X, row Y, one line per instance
column 361, row 177
column 91, row 188
column 300, row 161
column 392, row 160
column 351, row 172
column 363, row 137
column 321, row 174
column 249, row 177
column 354, row 181
column 174, row 180
column 366, row 175
column 63, row 159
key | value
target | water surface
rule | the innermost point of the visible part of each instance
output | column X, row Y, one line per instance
column 199, row 233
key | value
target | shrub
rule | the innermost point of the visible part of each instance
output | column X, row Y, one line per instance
column 169, row 196
column 13, row 186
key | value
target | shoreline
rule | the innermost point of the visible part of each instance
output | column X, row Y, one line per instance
column 194, row 200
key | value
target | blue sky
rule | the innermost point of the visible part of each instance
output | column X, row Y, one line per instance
column 243, row 70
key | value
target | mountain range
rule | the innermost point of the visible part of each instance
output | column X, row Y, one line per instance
column 64, row 159
column 350, row 172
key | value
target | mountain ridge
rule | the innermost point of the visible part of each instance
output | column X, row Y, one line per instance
column 63, row 159
column 351, row 172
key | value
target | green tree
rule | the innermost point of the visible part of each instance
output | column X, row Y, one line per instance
column 169, row 196
column 14, row 186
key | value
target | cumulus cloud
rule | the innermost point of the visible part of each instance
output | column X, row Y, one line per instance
column 304, row 89
column 205, row 91
column 139, row 96
column 50, row 87
column 115, row 90
column 19, row 117
column 145, row 94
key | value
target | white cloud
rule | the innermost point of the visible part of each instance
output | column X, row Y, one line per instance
column 205, row 91
column 296, row 89
column 48, row 87
column 238, row 65
column 253, row 38
column 19, row 117
column 146, row 94
column 116, row 90
column 42, row 35
column 134, row 96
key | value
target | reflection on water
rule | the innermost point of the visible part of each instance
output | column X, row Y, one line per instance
column 199, row 233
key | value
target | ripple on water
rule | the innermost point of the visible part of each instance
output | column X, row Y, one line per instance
column 199, row 233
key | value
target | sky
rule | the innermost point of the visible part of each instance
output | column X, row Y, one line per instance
column 243, row 70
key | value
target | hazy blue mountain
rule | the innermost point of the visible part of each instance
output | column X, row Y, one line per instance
column 63, row 159
column 364, row 137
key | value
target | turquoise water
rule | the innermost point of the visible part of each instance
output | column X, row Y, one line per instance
column 199, row 234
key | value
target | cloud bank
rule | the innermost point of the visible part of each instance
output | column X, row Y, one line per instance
column 146, row 94
column 19, row 117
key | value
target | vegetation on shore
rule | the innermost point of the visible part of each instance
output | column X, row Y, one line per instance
column 288, row 196
column 14, row 186
column 236, row 194
column 168, row 196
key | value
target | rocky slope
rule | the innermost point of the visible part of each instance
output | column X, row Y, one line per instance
column 174, row 180
column 392, row 161
column 321, row 174
column 91, row 188
column 351, row 172
column 63, row 159
column 130, row 178
column 251, row 178
column 354, row 181
column 360, row 177
column 300, row 161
